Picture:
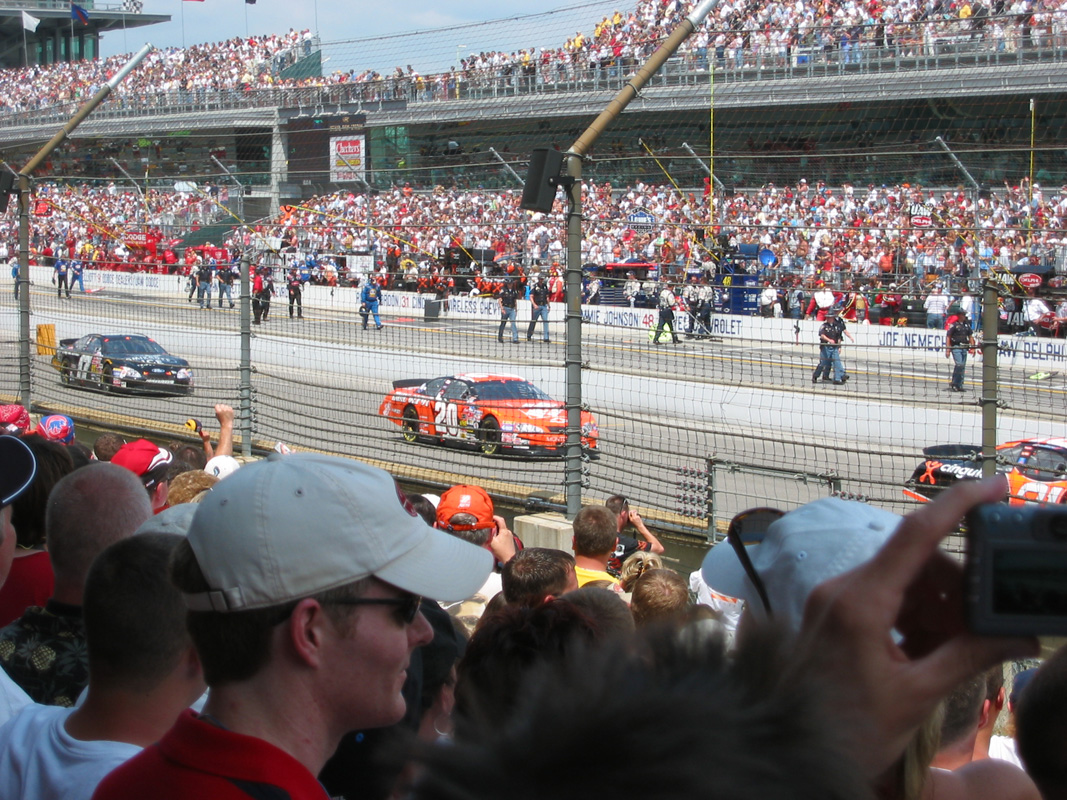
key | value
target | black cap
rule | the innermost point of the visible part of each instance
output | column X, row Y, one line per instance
column 18, row 466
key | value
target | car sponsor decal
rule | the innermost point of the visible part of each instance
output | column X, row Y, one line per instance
column 960, row 471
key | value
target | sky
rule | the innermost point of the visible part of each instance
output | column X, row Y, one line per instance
column 372, row 34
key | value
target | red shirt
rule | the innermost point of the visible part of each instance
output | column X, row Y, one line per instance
column 30, row 583
column 196, row 759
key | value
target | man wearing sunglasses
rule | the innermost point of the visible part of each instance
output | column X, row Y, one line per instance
column 303, row 576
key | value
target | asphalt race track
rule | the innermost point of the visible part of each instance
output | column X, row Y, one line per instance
column 663, row 409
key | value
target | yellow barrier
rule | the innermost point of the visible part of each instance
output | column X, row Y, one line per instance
column 46, row 340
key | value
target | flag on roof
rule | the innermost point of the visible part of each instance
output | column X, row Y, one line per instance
column 78, row 13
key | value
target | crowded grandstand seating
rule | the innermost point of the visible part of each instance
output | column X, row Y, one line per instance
column 235, row 64
column 108, row 227
column 810, row 227
column 735, row 36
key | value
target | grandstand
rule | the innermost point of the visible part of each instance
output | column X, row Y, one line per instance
column 58, row 37
column 865, row 111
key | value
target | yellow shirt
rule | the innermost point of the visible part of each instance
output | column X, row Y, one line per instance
column 589, row 575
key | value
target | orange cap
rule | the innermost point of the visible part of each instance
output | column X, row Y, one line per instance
column 465, row 499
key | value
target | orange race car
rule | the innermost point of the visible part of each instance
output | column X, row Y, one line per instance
column 493, row 412
column 1036, row 470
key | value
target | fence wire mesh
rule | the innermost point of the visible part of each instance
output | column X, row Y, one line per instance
column 751, row 189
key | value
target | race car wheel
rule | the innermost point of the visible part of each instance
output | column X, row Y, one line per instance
column 409, row 425
column 65, row 374
column 489, row 436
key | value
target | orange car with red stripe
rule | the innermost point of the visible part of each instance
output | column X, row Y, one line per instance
column 493, row 412
column 1036, row 470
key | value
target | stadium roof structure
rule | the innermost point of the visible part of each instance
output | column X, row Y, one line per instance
column 57, row 24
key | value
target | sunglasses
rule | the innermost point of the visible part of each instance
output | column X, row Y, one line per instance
column 407, row 607
column 749, row 527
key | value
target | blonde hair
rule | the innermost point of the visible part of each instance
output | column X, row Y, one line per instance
column 659, row 595
column 190, row 487
column 919, row 754
column 635, row 565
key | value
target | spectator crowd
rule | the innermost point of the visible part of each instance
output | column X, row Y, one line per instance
column 735, row 35
column 237, row 64
column 172, row 627
column 814, row 231
column 856, row 240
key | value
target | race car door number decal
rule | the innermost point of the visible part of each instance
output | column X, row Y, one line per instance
column 446, row 416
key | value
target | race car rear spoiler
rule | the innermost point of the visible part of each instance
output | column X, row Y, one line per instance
column 405, row 384
column 958, row 451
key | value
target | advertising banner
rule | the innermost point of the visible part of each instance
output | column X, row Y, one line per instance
column 347, row 159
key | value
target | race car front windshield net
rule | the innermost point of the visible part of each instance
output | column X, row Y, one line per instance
column 509, row 390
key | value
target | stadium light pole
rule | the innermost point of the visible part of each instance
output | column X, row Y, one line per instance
column 24, row 209
column 573, row 170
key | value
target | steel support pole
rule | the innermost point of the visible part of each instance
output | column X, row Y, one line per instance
column 24, row 290
column 990, row 318
column 507, row 167
column 703, row 166
column 974, row 185
column 572, row 472
column 240, row 188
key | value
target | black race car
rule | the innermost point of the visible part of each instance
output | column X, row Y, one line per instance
column 122, row 362
column 1036, row 470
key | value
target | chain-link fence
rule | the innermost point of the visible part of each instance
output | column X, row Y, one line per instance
column 745, row 199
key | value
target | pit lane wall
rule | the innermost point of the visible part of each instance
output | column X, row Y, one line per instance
column 1014, row 350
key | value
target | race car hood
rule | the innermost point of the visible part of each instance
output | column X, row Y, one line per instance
column 151, row 360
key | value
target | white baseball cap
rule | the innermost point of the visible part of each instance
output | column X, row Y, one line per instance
column 289, row 527
column 221, row 466
column 800, row 550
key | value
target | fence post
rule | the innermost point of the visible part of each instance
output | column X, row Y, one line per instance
column 990, row 318
column 572, row 471
column 245, row 387
column 24, row 290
